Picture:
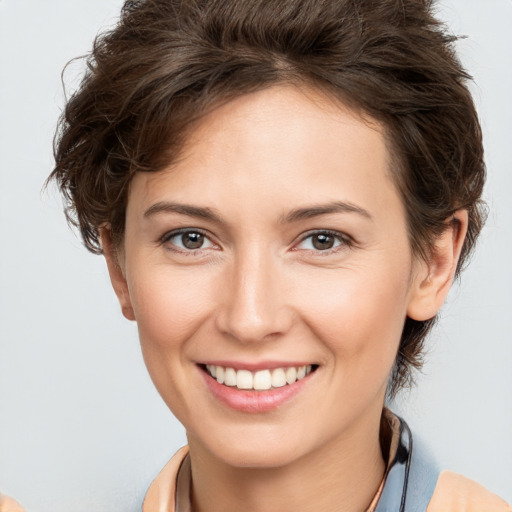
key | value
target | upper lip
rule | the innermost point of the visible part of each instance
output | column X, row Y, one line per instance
column 254, row 366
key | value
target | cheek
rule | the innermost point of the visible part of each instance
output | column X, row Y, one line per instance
column 169, row 306
column 359, row 316
column 170, row 309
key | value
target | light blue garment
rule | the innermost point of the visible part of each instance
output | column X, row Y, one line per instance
column 411, row 477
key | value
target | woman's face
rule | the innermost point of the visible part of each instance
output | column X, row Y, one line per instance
column 276, row 242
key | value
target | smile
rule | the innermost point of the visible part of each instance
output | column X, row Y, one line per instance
column 261, row 380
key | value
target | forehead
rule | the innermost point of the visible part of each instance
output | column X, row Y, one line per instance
column 278, row 145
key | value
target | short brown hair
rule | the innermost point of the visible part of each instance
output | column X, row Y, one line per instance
column 168, row 62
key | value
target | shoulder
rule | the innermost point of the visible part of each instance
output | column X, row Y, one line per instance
column 457, row 493
column 9, row 505
column 161, row 494
column 425, row 486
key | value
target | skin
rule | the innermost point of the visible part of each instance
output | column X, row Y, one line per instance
column 7, row 504
column 258, row 290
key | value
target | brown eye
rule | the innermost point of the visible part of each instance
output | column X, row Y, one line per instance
column 322, row 241
column 187, row 240
column 192, row 240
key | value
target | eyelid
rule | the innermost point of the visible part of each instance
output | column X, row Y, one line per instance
column 346, row 240
column 165, row 239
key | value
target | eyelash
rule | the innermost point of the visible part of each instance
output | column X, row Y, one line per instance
column 165, row 240
column 345, row 242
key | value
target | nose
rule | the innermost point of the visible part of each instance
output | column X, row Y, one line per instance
column 255, row 303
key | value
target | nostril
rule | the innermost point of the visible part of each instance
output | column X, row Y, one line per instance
column 247, row 325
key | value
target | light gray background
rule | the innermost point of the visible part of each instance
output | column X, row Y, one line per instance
column 81, row 427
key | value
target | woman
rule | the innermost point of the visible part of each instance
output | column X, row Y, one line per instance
column 284, row 192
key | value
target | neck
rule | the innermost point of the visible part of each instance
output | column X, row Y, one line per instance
column 343, row 475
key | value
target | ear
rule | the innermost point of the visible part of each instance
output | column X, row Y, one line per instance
column 117, row 277
column 433, row 279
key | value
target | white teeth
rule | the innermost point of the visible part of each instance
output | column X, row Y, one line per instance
column 278, row 378
column 230, row 377
column 291, row 374
column 261, row 380
column 244, row 379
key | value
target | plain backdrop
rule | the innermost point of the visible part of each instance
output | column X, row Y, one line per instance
column 81, row 427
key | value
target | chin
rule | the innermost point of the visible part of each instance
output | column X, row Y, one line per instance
column 259, row 457
column 262, row 449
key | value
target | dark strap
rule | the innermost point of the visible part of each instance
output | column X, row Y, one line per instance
column 411, row 478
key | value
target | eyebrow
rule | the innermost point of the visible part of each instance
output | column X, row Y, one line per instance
column 183, row 209
column 296, row 215
column 324, row 209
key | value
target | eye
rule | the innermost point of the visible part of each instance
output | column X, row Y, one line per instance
column 322, row 241
column 188, row 240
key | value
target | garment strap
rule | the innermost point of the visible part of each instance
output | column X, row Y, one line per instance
column 411, row 477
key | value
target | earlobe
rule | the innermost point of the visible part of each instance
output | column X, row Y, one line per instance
column 433, row 279
column 117, row 277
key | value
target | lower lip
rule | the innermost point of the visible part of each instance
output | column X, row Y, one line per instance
column 253, row 401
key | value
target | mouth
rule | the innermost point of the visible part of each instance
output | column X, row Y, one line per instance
column 265, row 379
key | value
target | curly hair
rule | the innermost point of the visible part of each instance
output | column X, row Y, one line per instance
column 168, row 62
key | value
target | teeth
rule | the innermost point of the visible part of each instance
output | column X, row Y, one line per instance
column 230, row 378
column 260, row 380
column 219, row 374
column 244, row 379
column 278, row 378
column 291, row 374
